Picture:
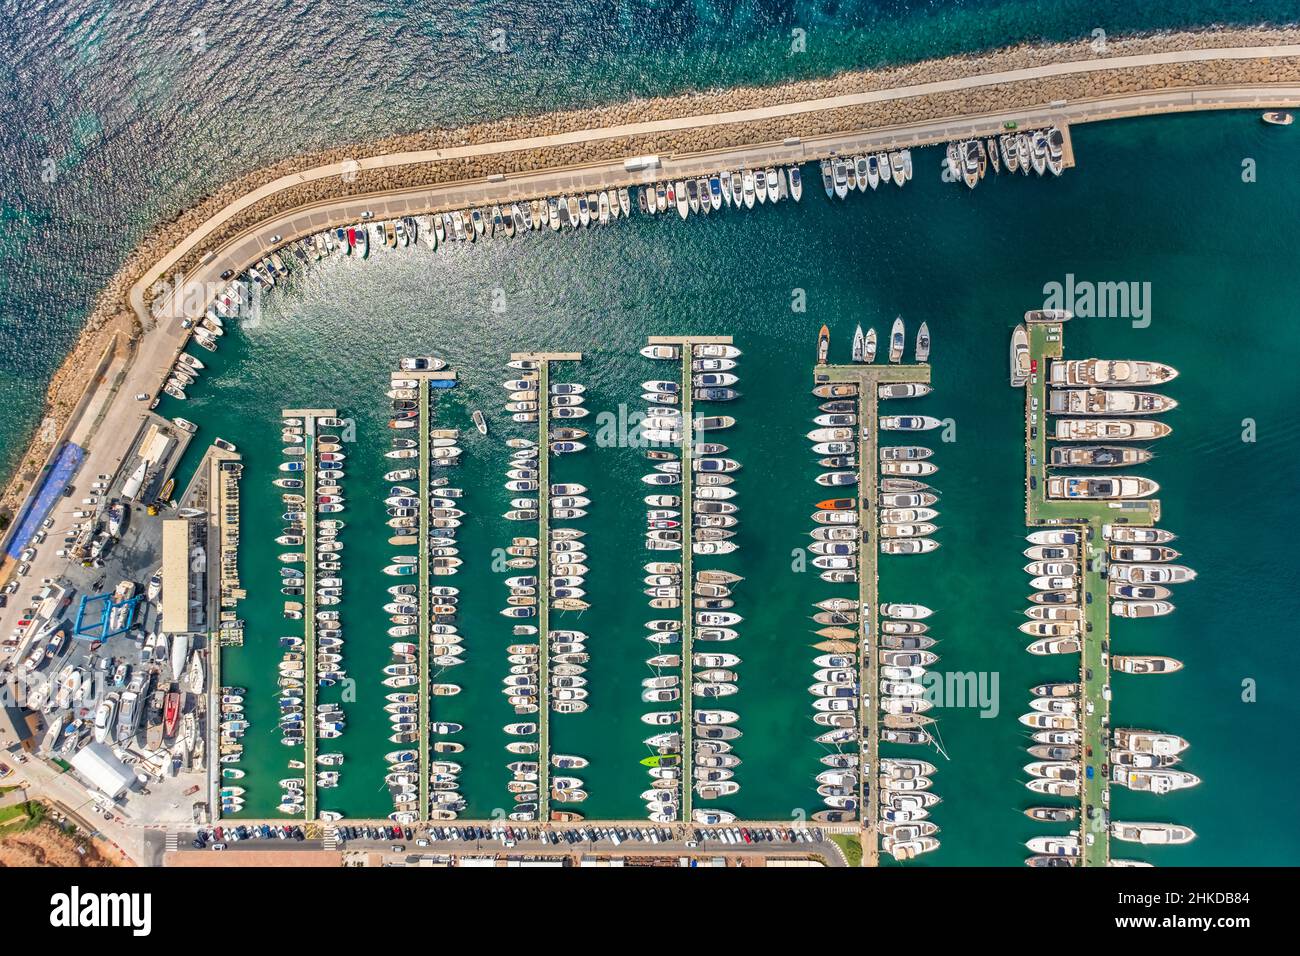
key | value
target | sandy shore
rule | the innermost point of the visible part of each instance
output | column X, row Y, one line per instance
column 112, row 311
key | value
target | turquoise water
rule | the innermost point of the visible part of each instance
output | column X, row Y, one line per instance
column 969, row 264
column 138, row 124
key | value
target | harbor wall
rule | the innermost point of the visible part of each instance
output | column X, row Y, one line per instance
column 113, row 311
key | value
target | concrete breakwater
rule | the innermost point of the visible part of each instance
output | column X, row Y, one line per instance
column 114, row 312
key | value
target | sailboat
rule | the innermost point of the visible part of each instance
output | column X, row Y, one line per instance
column 859, row 345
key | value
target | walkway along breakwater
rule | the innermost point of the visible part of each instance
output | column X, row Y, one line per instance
column 915, row 104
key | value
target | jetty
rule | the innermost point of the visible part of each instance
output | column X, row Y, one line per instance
column 424, row 424
column 1087, row 517
column 867, row 378
column 544, row 360
column 216, row 485
column 309, row 416
column 686, row 344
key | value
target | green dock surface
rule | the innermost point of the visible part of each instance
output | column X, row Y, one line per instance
column 1045, row 342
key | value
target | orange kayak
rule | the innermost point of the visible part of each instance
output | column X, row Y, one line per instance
column 837, row 504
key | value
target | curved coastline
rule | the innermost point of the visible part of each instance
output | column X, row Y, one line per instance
column 689, row 123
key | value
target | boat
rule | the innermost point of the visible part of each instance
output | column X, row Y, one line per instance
column 1020, row 361
column 1101, row 373
column 1113, row 429
column 1103, row 401
column 1278, row 118
column 1133, row 664
column 1152, row 834
column 923, row 343
column 1098, row 456
column 479, row 422
column 859, row 351
column 896, row 340
column 1093, row 487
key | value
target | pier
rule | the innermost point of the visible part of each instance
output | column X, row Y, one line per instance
column 686, row 344
column 424, row 419
column 544, row 360
column 216, row 482
column 1087, row 517
column 309, row 416
column 867, row 378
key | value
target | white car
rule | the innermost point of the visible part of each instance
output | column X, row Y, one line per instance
column 27, row 554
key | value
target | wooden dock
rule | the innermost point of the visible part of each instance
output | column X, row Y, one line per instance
column 685, row 343
column 1087, row 517
column 544, row 360
column 867, row 377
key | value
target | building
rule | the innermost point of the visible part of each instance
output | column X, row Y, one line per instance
column 96, row 765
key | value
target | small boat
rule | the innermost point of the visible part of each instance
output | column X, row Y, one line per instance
column 923, row 343
column 823, row 345
column 859, row 345
column 897, row 341
column 1278, row 118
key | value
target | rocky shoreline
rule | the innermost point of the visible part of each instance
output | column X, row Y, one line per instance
column 112, row 312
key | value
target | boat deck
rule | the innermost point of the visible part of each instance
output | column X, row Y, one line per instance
column 544, row 360
column 1046, row 342
column 867, row 378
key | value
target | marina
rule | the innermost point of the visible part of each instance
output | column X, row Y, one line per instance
column 757, row 766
